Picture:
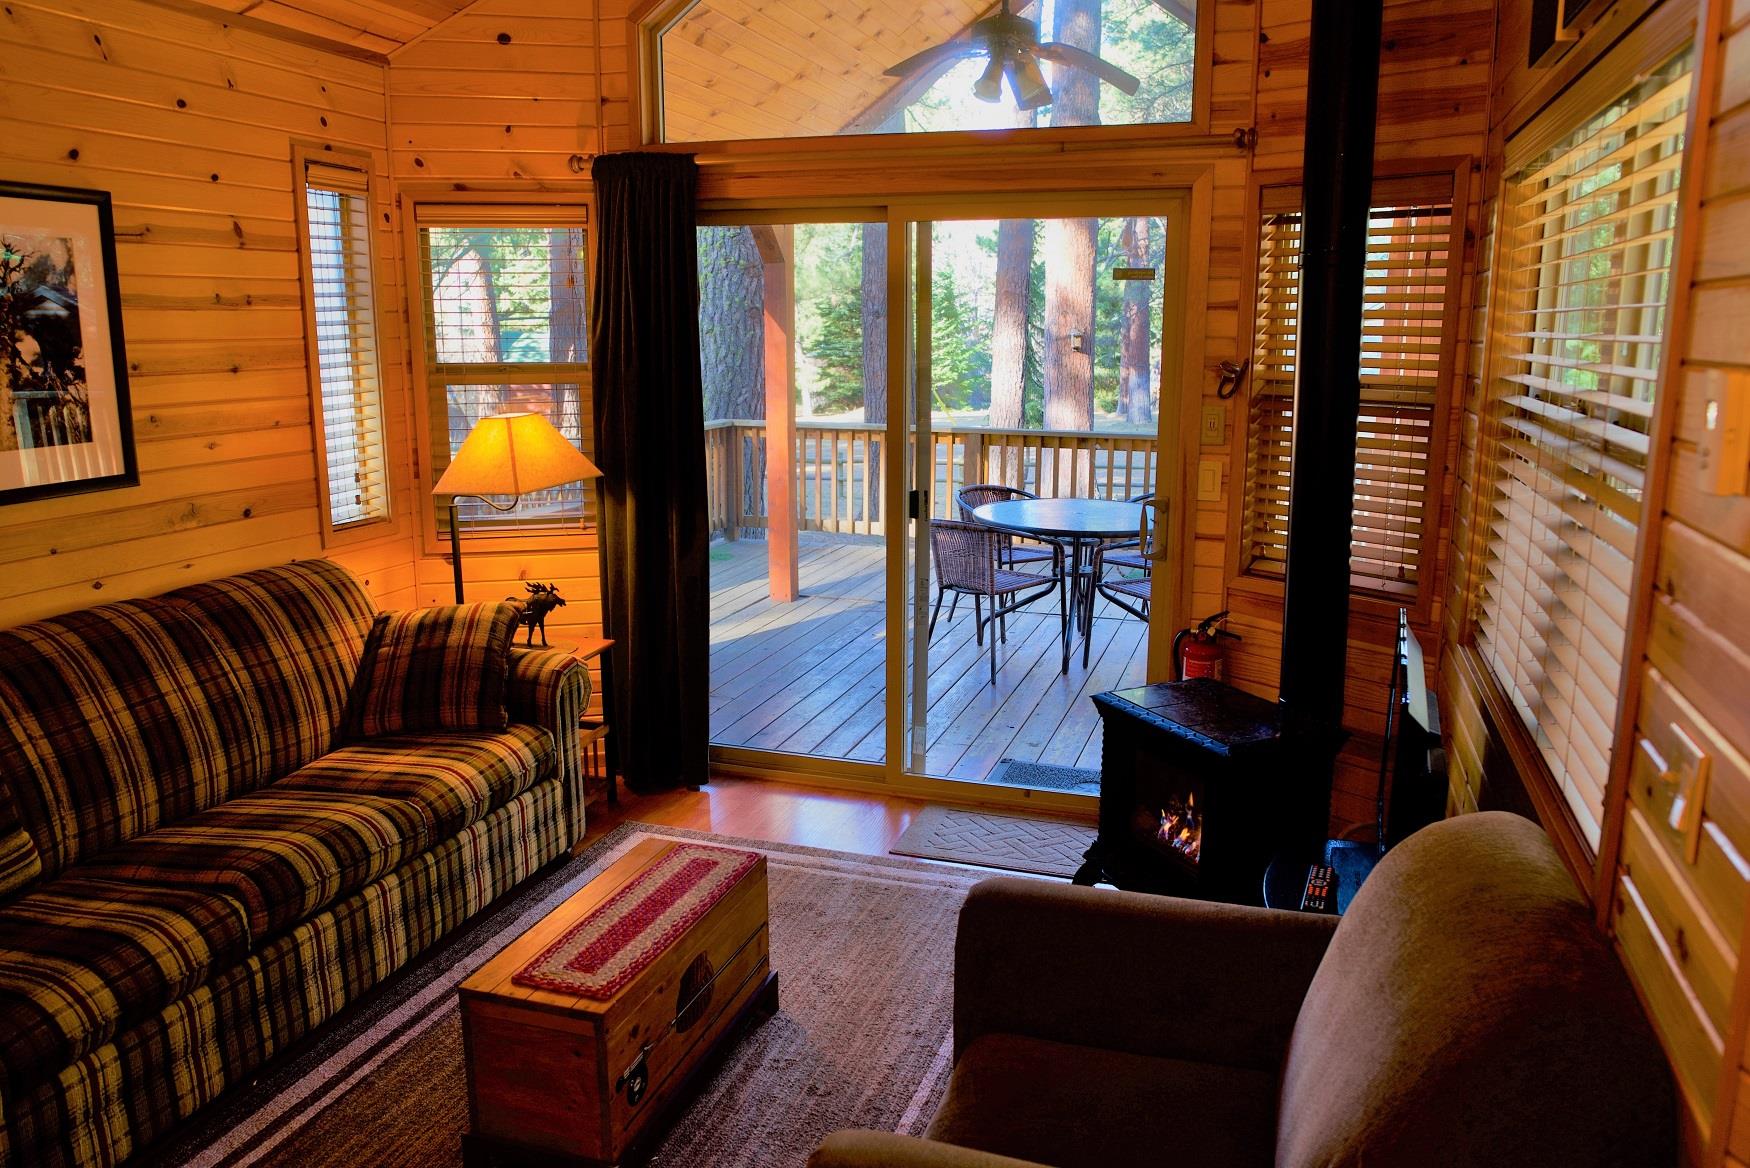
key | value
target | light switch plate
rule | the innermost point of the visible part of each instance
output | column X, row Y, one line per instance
column 1214, row 425
column 1723, row 449
column 1208, row 480
column 1689, row 768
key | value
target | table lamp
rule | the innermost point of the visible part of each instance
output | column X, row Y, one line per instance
column 508, row 454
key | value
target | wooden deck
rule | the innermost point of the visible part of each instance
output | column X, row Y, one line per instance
column 809, row 677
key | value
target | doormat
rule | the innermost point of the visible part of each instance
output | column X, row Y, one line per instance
column 1047, row 847
column 1012, row 772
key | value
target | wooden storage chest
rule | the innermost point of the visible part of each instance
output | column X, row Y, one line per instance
column 558, row 1077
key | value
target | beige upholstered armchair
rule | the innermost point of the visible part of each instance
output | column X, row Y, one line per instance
column 1466, row 1012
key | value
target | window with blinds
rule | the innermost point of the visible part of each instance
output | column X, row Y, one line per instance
column 506, row 329
column 1404, row 355
column 342, row 315
column 1580, row 322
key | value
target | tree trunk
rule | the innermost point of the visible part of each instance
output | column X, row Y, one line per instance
column 1014, row 295
column 875, row 322
column 1008, row 341
column 1134, row 400
column 1070, row 243
column 732, row 293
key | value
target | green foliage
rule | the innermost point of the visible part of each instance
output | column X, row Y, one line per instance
column 959, row 345
column 829, row 315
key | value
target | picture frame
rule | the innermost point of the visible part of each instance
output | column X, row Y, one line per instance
column 66, row 425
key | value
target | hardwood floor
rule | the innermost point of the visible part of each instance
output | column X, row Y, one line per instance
column 809, row 677
column 767, row 810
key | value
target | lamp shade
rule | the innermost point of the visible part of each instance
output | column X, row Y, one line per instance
column 513, row 454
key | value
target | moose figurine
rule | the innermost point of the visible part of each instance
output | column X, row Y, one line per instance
column 543, row 599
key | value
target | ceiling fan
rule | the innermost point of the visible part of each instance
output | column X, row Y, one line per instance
column 1012, row 43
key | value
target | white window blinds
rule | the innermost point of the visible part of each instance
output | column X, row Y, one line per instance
column 1404, row 345
column 349, row 406
column 1580, row 321
column 506, row 328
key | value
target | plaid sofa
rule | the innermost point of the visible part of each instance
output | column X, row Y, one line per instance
column 196, row 869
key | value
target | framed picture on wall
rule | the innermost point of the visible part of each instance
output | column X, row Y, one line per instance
column 65, row 425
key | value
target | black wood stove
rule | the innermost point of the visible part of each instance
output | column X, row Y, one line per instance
column 1192, row 799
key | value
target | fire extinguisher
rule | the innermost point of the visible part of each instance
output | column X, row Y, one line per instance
column 1198, row 652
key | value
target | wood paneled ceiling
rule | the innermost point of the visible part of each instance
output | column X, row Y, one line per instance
column 378, row 27
column 784, row 68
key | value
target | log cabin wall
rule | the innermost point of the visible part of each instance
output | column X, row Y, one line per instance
column 190, row 124
column 513, row 95
column 1676, row 909
column 1433, row 114
column 512, row 98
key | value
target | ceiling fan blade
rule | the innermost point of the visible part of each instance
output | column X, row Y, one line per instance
column 936, row 55
column 989, row 86
column 1076, row 58
column 1028, row 82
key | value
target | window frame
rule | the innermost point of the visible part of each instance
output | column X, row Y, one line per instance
column 1448, row 393
column 1647, row 47
column 649, row 19
column 335, row 535
column 578, row 207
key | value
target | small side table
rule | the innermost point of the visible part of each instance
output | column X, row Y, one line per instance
column 595, row 735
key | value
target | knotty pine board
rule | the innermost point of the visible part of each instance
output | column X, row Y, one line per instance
column 189, row 124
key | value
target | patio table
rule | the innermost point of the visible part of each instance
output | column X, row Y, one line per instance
column 1080, row 524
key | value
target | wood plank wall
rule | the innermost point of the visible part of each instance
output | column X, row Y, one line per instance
column 1433, row 103
column 514, row 96
column 189, row 124
column 1679, row 923
column 1696, row 670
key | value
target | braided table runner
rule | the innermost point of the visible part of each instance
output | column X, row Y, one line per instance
column 601, row 954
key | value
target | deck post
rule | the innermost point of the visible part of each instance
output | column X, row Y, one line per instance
column 971, row 463
column 777, row 248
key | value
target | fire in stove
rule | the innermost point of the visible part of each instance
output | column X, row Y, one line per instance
column 1180, row 828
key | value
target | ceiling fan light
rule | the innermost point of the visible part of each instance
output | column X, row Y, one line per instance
column 1028, row 81
column 989, row 86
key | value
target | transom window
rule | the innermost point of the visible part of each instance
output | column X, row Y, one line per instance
column 506, row 329
column 728, row 69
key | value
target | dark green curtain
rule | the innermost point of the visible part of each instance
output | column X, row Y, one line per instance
column 650, row 442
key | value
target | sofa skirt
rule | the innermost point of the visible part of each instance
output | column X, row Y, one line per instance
column 121, row 1097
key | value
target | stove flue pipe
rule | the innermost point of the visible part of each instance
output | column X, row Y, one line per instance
column 1342, row 104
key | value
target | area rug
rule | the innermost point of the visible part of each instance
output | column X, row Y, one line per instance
column 864, row 949
column 1011, row 772
column 1047, row 847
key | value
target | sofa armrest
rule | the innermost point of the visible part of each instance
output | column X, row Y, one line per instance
column 870, row 1149
column 550, row 688
column 1127, row 971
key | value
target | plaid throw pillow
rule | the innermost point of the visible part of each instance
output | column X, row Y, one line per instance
column 20, row 863
column 436, row 669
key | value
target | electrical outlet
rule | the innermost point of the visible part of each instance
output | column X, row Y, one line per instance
column 1208, row 480
column 1723, row 448
column 1214, row 425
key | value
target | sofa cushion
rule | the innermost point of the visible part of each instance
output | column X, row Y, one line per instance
column 20, row 863
column 282, row 855
column 295, row 634
column 442, row 668
column 457, row 778
column 83, row 959
column 1083, row 1107
column 116, row 719
column 1469, row 1012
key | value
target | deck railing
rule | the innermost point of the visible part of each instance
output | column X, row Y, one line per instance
column 840, row 467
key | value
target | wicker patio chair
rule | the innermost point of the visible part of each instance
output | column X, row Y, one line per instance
column 1127, row 554
column 1131, row 593
column 1014, row 553
column 966, row 564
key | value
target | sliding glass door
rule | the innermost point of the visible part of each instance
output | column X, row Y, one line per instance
column 1036, row 359
column 873, row 377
